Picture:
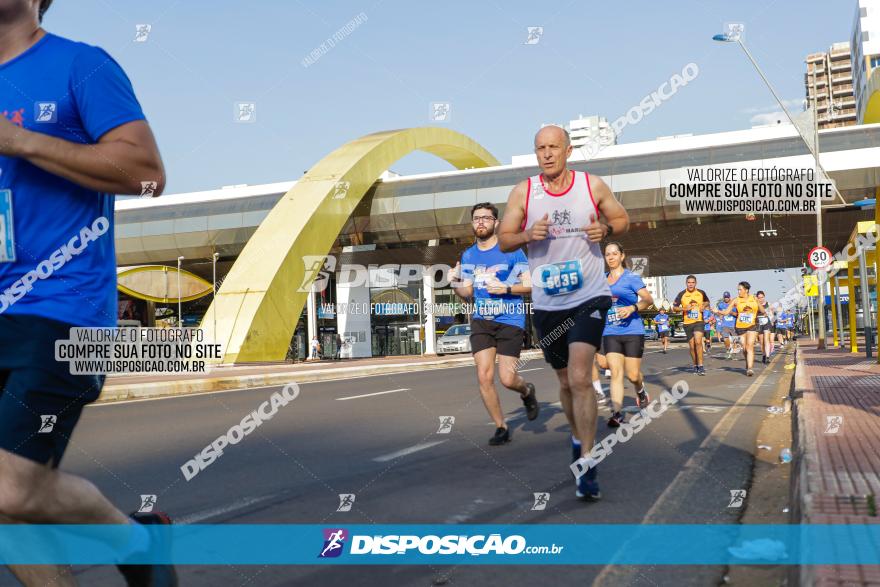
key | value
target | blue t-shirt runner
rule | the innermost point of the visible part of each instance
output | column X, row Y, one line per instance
column 481, row 268
column 727, row 321
column 624, row 292
column 57, row 257
column 662, row 322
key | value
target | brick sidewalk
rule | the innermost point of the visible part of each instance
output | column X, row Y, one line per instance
column 838, row 478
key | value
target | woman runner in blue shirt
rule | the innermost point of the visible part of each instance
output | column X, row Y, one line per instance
column 623, row 341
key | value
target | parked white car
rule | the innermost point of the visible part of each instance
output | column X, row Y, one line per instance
column 455, row 340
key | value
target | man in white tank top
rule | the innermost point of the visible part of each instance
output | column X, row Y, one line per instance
column 556, row 214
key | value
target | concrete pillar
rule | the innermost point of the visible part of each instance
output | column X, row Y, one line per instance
column 428, row 309
column 353, row 319
column 851, row 288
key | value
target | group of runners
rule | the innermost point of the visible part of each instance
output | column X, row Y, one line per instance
column 546, row 245
column 587, row 318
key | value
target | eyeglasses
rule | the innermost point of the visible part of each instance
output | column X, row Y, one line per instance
column 479, row 219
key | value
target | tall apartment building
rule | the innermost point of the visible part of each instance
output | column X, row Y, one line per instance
column 656, row 286
column 591, row 130
column 865, row 49
column 830, row 74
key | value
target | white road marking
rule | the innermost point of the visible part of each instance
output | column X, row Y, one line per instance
column 527, row 370
column 220, row 511
column 342, row 399
column 407, row 451
column 690, row 474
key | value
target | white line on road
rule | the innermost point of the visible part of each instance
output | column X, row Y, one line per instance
column 407, row 451
column 342, row 399
column 527, row 370
column 227, row 509
column 688, row 477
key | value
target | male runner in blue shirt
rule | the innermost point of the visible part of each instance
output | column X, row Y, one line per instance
column 72, row 134
column 496, row 280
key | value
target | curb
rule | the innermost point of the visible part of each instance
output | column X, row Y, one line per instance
column 123, row 391
column 804, row 461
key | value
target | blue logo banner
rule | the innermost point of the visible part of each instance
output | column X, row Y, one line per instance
column 617, row 544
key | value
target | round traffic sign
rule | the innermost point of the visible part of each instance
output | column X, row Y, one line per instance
column 820, row 258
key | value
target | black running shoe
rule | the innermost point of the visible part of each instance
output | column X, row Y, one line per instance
column 502, row 436
column 616, row 420
column 701, row 370
column 531, row 402
column 643, row 398
column 150, row 575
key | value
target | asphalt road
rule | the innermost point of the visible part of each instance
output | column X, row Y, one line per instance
column 385, row 449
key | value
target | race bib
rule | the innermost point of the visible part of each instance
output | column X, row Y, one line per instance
column 693, row 314
column 7, row 239
column 562, row 278
column 489, row 308
column 663, row 327
column 762, row 320
column 746, row 318
column 613, row 318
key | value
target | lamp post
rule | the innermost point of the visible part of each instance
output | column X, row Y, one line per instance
column 736, row 37
column 179, row 301
column 214, row 258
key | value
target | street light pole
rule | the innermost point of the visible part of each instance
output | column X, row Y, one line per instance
column 814, row 149
column 215, row 256
column 179, row 301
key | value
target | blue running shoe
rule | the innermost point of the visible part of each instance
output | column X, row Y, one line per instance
column 588, row 486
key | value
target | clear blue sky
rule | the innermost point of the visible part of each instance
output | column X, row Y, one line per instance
column 594, row 57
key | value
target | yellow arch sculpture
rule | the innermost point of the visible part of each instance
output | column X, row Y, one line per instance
column 259, row 303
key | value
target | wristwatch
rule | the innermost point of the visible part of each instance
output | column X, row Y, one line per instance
column 509, row 290
column 610, row 230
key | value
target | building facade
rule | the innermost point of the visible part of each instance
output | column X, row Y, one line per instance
column 830, row 76
column 591, row 130
column 865, row 49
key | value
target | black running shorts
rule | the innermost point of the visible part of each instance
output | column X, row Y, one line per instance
column 631, row 346
column 693, row 328
column 505, row 338
column 40, row 401
column 559, row 328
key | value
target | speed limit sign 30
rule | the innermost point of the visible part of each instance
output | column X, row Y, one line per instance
column 820, row 258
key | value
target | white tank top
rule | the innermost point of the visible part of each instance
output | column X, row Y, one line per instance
column 566, row 268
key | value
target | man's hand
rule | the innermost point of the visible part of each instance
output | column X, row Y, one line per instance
column 596, row 231
column 455, row 273
column 539, row 229
column 494, row 285
column 10, row 134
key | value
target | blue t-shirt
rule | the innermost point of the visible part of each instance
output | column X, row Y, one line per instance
column 728, row 321
column 707, row 314
column 624, row 292
column 65, row 260
column 478, row 266
column 785, row 320
column 662, row 322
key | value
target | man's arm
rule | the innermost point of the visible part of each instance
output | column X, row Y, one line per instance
column 676, row 305
column 518, row 280
column 511, row 235
column 121, row 159
column 615, row 214
column 462, row 288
